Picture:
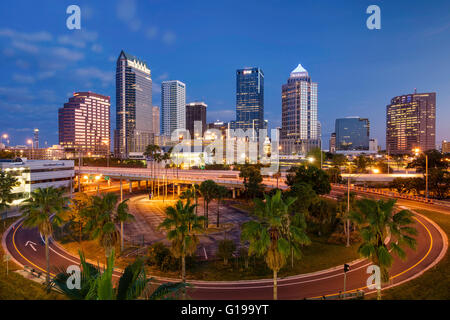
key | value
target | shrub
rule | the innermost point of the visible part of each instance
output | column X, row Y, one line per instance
column 226, row 250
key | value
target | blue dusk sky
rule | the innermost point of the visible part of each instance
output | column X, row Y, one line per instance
column 202, row 43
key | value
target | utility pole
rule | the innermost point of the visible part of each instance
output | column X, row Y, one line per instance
column 346, row 269
column 121, row 190
column 426, row 176
column 348, row 208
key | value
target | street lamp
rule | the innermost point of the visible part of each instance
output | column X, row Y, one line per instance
column 29, row 141
column 4, row 136
column 417, row 152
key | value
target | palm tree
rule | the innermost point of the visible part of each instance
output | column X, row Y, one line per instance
column 376, row 220
column 274, row 236
column 123, row 216
column 43, row 210
column 98, row 285
column 221, row 193
column 207, row 189
column 101, row 224
column 187, row 194
column 182, row 227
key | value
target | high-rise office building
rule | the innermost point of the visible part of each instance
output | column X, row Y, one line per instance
column 195, row 111
column 411, row 123
column 36, row 138
column 133, row 106
column 249, row 99
column 156, row 121
column 445, row 148
column 173, row 106
column 352, row 133
column 84, row 125
column 333, row 142
column 299, row 128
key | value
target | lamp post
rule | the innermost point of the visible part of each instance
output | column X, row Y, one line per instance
column 29, row 141
column 5, row 136
column 417, row 152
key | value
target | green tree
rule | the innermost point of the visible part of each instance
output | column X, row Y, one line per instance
column 43, row 210
column 273, row 235
column 317, row 178
column 77, row 211
column 436, row 160
column 361, row 163
column 376, row 220
column 101, row 221
column 225, row 250
column 7, row 183
column 338, row 159
column 208, row 189
column 252, row 180
column 122, row 217
column 182, row 227
column 335, row 174
column 221, row 193
column 315, row 154
column 96, row 284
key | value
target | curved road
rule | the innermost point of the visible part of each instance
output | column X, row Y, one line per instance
column 26, row 248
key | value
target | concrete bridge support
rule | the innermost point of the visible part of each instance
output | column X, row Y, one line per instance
column 131, row 186
column 234, row 193
column 179, row 190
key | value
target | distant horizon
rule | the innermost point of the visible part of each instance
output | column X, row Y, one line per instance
column 202, row 44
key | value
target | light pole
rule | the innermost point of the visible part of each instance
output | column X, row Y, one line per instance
column 4, row 136
column 417, row 152
column 348, row 208
column 29, row 141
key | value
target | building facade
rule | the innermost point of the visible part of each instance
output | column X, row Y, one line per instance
column 84, row 124
column 411, row 123
column 445, row 148
column 133, row 106
column 352, row 133
column 156, row 121
column 249, row 99
column 195, row 111
column 299, row 125
column 333, row 142
column 34, row 174
column 173, row 106
column 36, row 138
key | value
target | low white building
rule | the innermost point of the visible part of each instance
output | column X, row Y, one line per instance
column 34, row 174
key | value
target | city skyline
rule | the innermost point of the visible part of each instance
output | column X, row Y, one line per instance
column 88, row 57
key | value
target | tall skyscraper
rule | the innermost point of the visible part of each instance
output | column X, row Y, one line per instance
column 173, row 106
column 84, row 124
column 411, row 123
column 156, row 120
column 333, row 142
column 249, row 98
column 36, row 138
column 195, row 111
column 352, row 133
column 299, row 131
column 133, row 106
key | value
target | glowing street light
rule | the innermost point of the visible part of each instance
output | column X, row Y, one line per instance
column 311, row 159
column 376, row 170
column 417, row 152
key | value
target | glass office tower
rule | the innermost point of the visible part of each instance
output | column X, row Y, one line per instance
column 299, row 126
column 249, row 99
column 173, row 106
column 411, row 123
column 133, row 106
column 352, row 133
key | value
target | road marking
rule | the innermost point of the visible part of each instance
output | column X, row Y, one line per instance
column 32, row 244
column 14, row 243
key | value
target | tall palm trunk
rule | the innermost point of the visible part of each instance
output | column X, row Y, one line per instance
column 275, row 288
column 121, row 236
column 47, row 258
column 183, row 273
column 379, row 294
column 218, row 207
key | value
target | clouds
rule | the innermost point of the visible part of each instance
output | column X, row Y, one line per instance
column 92, row 73
column 41, row 36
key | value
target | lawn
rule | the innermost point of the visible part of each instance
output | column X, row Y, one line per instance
column 433, row 284
column 16, row 287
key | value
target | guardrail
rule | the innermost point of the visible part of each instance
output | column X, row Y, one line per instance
column 385, row 193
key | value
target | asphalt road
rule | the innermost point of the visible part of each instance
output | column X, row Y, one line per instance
column 26, row 248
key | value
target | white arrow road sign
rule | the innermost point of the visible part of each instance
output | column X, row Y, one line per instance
column 32, row 244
